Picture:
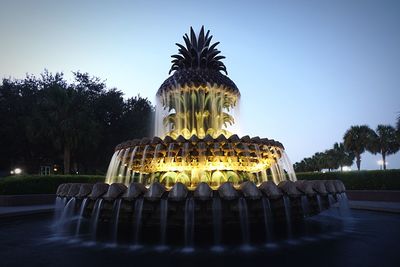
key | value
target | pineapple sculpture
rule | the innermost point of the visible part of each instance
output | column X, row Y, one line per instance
column 193, row 142
column 197, row 99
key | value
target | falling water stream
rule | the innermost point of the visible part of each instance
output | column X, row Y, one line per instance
column 217, row 220
column 163, row 221
column 286, row 202
column 344, row 207
column 305, row 205
column 66, row 217
column 267, row 219
column 115, row 220
column 244, row 221
column 319, row 202
column 58, row 209
column 138, row 221
column 81, row 211
column 95, row 217
column 189, row 224
column 331, row 200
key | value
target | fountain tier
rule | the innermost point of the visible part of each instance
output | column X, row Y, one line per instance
column 191, row 161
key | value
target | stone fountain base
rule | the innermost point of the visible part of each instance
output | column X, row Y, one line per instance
column 287, row 201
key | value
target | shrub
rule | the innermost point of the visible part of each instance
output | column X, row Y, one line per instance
column 35, row 184
column 359, row 180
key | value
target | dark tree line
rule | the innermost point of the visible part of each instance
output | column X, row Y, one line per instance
column 331, row 159
column 385, row 140
column 47, row 121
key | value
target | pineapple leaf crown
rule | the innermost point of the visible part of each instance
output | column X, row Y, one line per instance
column 199, row 53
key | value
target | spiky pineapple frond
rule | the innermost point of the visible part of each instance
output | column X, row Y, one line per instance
column 199, row 53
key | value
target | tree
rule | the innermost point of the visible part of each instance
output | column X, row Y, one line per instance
column 47, row 121
column 343, row 157
column 398, row 129
column 357, row 139
column 331, row 159
column 385, row 142
column 61, row 115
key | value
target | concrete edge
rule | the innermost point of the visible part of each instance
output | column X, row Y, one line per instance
column 387, row 210
column 26, row 200
column 389, row 207
column 28, row 212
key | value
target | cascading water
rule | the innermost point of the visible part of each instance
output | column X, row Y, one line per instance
column 344, row 208
column 130, row 173
column 331, row 200
column 189, row 224
column 305, row 205
column 288, row 214
column 80, row 218
column 267, row 219
column 95, row 218
column 115, row 221
column 66, row 217
column 217, row 218
column 244, row 221
column 319, row 203
column 138, row 221
column 163, row 222
column 58, row 209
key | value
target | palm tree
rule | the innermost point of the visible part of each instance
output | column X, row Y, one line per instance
column 318, row 161
column 385, row 142
column 331, row 159
column 343, row 157
column 357, row 139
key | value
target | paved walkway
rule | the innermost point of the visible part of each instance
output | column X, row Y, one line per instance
column 393, row 207
column 24, row 210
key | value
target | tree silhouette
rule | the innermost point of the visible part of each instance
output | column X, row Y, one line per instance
column 343, row 157
column 47, row 121
column 385, row 142
column 357, row 139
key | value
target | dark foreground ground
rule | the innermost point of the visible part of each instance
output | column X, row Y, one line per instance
column 366, row 239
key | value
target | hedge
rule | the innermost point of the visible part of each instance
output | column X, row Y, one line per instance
column 35, row 184
column 359, row 180
column 354, row 180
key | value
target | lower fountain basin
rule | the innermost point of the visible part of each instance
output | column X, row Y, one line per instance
column 179, row 208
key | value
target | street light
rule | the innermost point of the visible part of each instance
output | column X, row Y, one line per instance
column 16, row 171
column 346, row 168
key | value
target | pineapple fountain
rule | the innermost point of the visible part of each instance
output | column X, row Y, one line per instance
column 196, row 173
column 195, row 108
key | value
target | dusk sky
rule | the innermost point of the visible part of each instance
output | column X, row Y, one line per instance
column 307, row 70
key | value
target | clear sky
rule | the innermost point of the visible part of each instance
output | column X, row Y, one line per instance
column 307, row 70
